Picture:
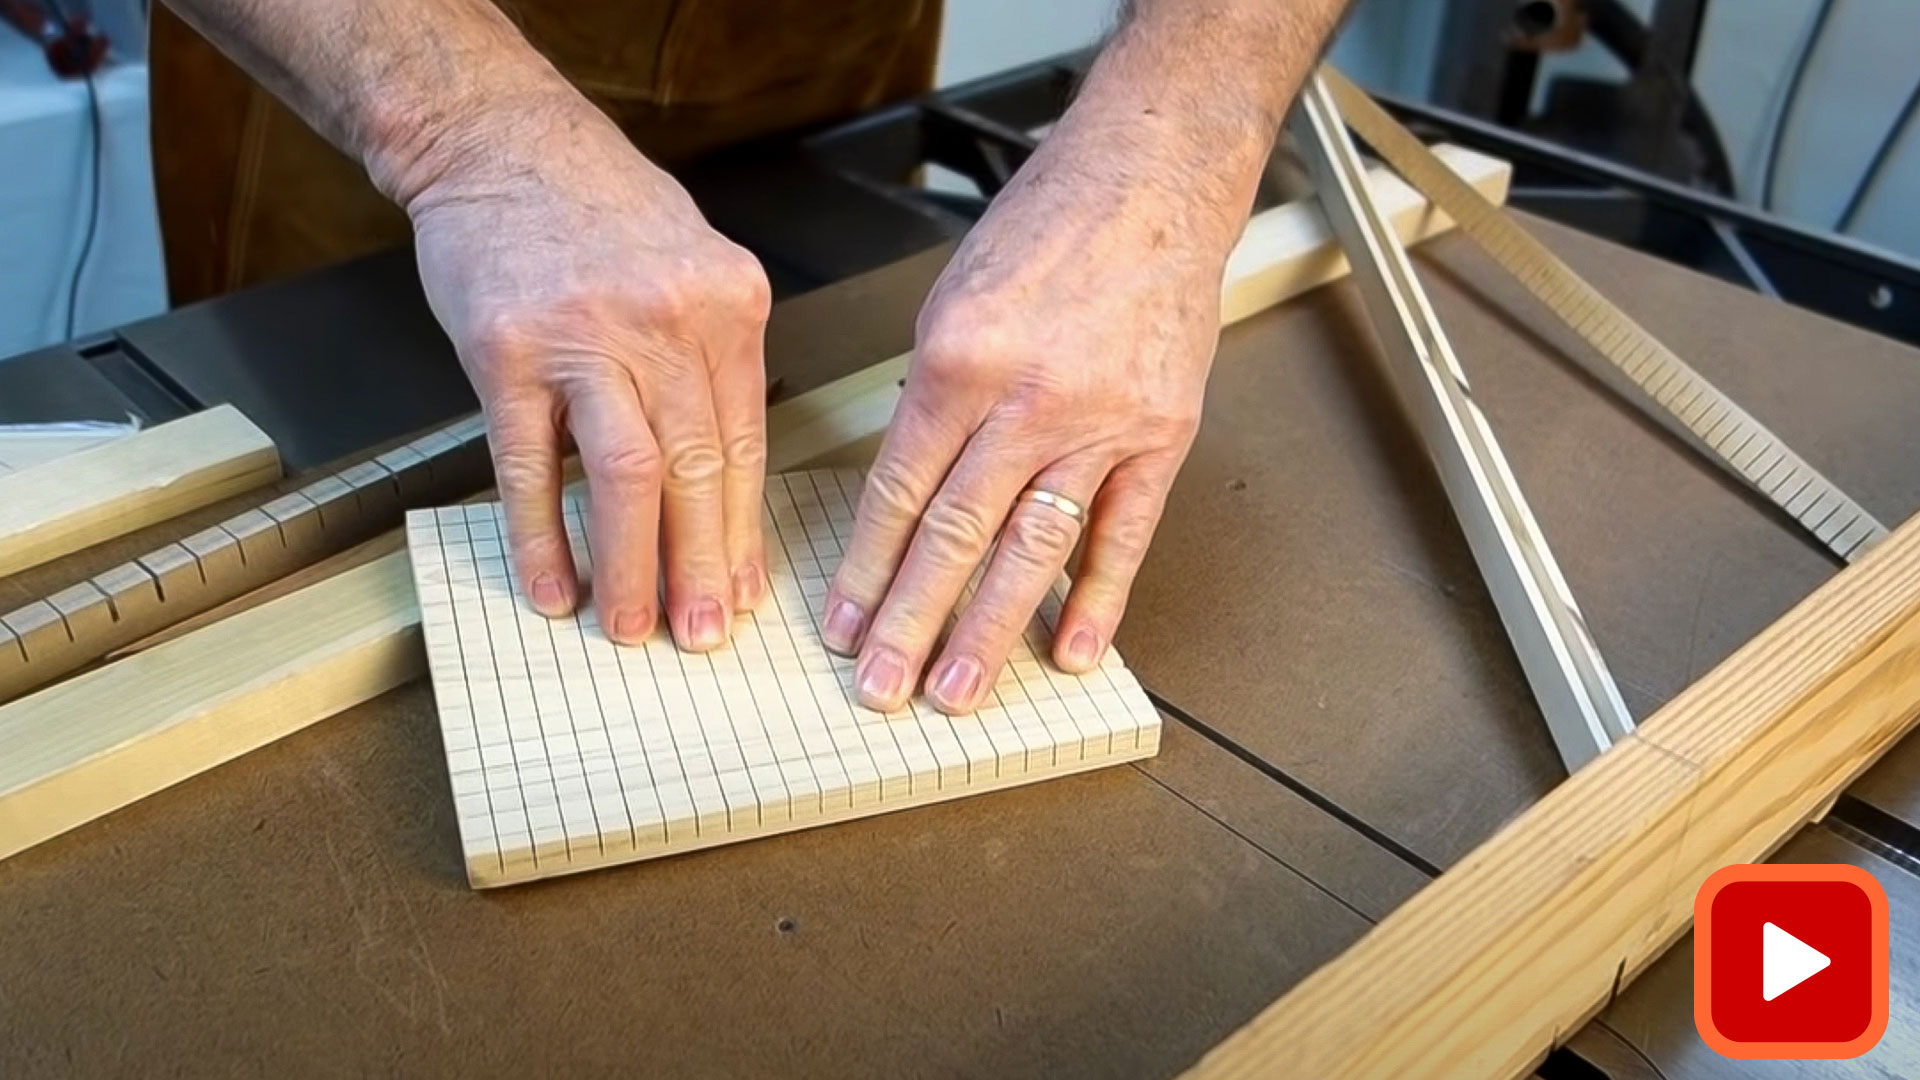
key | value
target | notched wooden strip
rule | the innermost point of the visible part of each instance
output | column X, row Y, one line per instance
column 262, row 547
column 434, row 443
column 131, row 590
column 336, row 500
column 41, row 630
column 471, row 429
column 86, row 611
column 301, row 527
column 412, row 474
column 219, row 555
column 375, row 492
column 13, row 657
column 176, row 573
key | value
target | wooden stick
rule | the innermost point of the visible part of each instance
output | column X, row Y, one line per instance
column 1488, row 968
column 217, row 692
column 100, row 741
column 73, row 502
column 360, row 554
column 270, row 543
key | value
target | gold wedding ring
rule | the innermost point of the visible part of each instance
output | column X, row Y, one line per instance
column 1056, row 500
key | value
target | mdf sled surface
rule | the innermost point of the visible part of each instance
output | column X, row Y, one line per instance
column 306, row 905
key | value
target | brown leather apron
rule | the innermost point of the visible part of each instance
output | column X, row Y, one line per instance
column 247, row 193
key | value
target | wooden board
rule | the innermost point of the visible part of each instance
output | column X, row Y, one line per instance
column 830, row 416
column 1485, row 970
column 44, row 640
column 99, row 741
column 78, row 500
column 567, row 752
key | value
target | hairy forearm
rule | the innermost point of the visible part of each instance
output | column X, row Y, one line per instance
column 411, row 89
column 1182, row 106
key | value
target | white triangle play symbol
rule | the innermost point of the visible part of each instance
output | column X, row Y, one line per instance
column 1786, row 961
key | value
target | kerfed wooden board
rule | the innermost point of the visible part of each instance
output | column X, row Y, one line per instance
column 567, row 752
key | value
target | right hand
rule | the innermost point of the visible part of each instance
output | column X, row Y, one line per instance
column 590, row 303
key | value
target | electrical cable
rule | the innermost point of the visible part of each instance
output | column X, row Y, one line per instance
column 1881, row 156
column 1800, row 65
column 96, row 125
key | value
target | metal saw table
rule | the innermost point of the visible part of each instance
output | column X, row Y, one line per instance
column 1346, row 718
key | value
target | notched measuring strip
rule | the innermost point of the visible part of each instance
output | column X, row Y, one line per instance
column 1843, row 526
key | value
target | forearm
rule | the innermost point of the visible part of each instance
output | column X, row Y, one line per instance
column 404, row 87
column 1180, row 111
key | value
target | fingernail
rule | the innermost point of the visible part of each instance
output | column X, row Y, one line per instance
column 548, row 599
column 706, row 625
column 747, row 588
column 1083, row 649
column 957, row 683
column 632, row 626
column 880, row 679
column 842, row 631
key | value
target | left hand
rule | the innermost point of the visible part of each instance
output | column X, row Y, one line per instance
column 1066, row 349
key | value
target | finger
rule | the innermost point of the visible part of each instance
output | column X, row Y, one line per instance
column 623, row 468
column 740, row 408
column 525, row 443
column 920, row 445
column 954, row 534
column 1119, row 528
column 678, row 398
column 1026, row 563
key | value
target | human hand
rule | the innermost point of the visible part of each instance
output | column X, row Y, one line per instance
column 590, row 303
column 1065, row 349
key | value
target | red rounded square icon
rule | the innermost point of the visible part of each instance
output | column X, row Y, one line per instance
column 1790, row 961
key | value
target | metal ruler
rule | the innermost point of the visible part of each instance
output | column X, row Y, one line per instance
column 1726, row 433
column 1563, row 665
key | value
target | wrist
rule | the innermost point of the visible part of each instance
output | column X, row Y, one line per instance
column 470, row 134
column 1183, row 105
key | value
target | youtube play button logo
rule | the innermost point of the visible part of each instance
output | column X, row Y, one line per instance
column 1786, row 961
column 1790, row 961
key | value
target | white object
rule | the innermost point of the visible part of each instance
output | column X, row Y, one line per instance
column 26, row 445
column 1786, row 961
column 567, row 752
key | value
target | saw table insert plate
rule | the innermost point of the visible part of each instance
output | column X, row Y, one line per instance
column 567, row 752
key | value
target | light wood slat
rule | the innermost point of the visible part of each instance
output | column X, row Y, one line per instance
column 251, row 549
column 1488, row 968
column 335, row 663
column 98, row 742
column 61, row 506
